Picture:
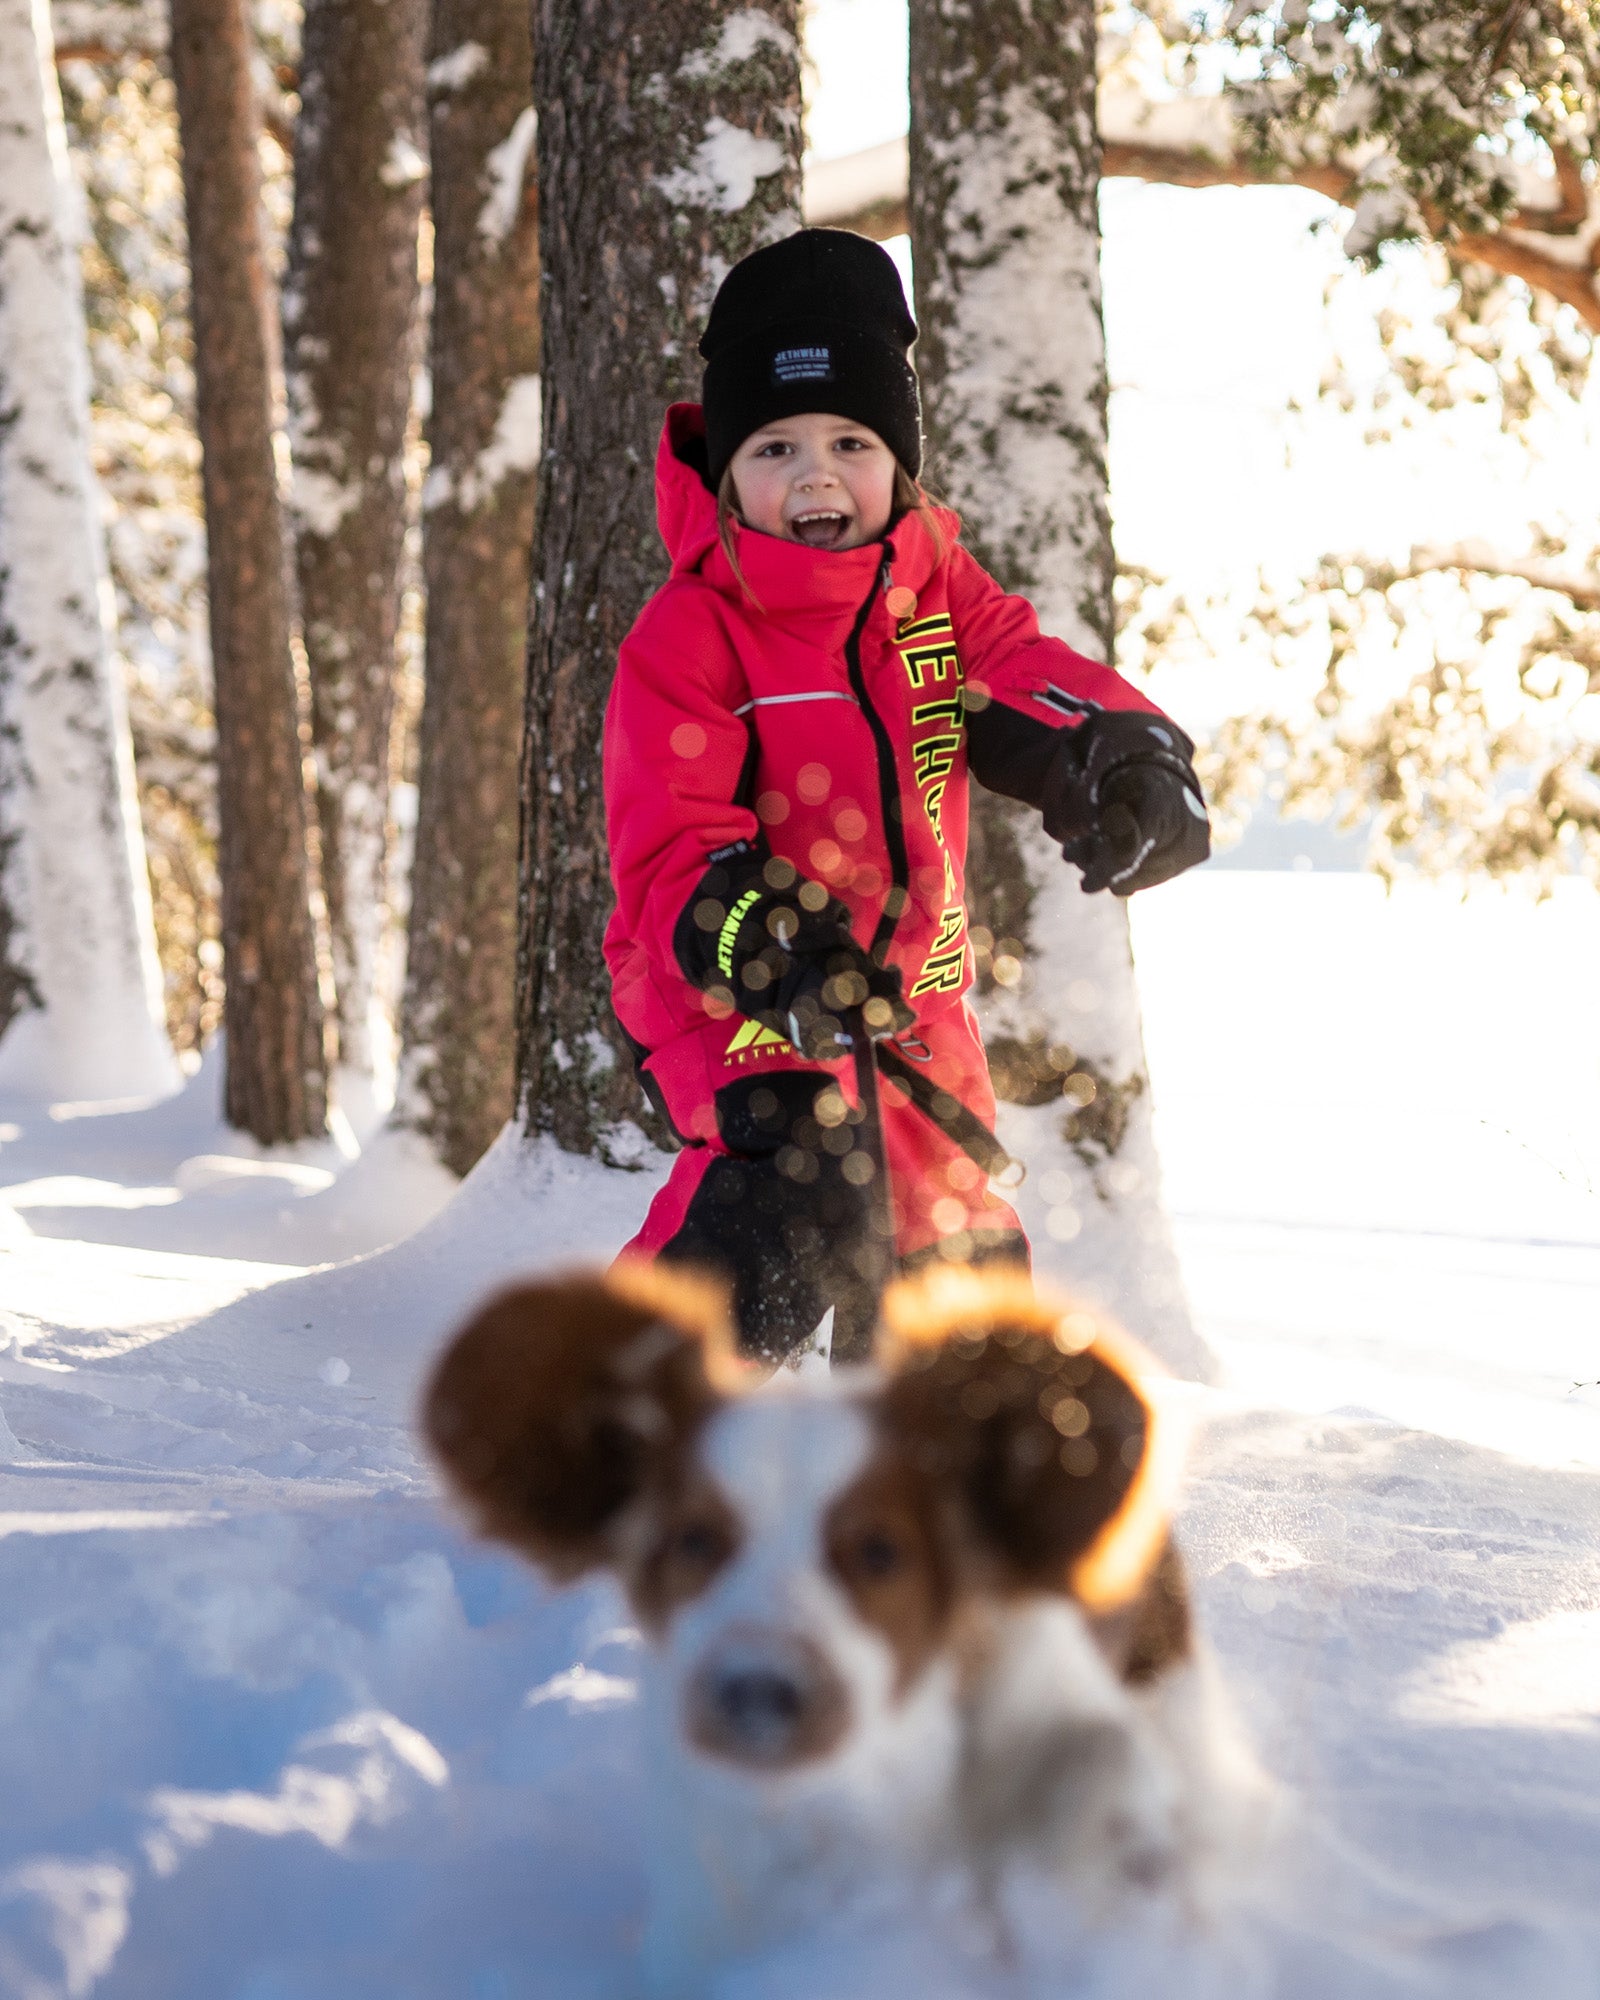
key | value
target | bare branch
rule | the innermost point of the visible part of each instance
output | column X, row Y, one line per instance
column 106, row 52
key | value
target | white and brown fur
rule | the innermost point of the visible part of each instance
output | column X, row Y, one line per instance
column 923, row 1615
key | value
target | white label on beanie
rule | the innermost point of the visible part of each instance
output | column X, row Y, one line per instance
column 802, row 364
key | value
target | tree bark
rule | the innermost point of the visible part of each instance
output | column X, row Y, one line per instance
column 458, row 1057
column 669, row 146
column 80, row 996
column 276, row 1079
column 350, row 341
column 1005, row 166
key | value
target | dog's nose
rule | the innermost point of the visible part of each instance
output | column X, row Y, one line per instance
column 766, row 1699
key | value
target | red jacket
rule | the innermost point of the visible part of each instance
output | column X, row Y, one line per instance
column 819, row 724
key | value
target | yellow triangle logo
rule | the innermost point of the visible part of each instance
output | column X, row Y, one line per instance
column 752, row 1035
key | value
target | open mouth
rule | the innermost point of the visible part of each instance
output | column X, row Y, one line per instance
column 822, row 528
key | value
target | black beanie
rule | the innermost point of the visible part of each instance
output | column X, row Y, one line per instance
column 818, row 322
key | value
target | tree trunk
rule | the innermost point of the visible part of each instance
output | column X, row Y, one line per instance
column 458, row 1054
column 276, row 1067
column 669, row 146
column 80, row 997
column 1005, row 167
column 350, row 342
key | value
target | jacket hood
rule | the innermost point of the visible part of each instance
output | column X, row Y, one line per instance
column 784, row 576
column 686, row 508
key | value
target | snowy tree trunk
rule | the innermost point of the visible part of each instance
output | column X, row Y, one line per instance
column 350, row 343
column 457, row 1061
column 80, row 999
column 276, row 1069
column 1005, row 165
column 669, row 146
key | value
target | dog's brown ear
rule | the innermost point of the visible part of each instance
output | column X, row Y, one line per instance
column 1037, row 1414
column 555, row 1405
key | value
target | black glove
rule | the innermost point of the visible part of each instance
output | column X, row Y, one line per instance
column 782, row 951
column 1122, row 798
column 820, row 992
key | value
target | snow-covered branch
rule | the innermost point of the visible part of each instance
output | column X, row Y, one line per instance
column 109, row 31
column 1581, row 588
column 864, row 191
column 105, row 30
column 1550, row 237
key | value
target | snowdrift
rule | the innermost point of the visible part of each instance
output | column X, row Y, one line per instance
column 279, row 1731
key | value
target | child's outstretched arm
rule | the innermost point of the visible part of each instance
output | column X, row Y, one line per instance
column 1111, row 775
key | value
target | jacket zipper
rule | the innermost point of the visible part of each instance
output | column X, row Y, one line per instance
column 894, row 832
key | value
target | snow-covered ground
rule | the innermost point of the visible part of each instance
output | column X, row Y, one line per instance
column 277, row 1731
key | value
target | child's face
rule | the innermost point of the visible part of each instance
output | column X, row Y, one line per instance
column 821, row 480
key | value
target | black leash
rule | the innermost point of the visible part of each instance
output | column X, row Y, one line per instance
column 853, row 1322
column 962, row 1127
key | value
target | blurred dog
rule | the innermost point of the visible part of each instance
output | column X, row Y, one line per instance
column 922, row 1615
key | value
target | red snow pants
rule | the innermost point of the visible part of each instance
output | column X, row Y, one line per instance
column 773, row 1191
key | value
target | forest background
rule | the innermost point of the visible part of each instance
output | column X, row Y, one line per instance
column 1350, row 420
column 1349, row 255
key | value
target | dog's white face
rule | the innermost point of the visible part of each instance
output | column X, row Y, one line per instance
column 768, row 1657
column 808, row 1561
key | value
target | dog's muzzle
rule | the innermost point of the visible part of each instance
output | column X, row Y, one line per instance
column 765, row 1699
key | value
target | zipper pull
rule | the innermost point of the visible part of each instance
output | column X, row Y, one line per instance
column 900, row 599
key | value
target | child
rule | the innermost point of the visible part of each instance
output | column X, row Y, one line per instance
column 786, row 757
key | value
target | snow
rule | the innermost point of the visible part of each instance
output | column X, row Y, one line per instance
column 722, row 172
column 740, row 37
column 320, row 500
column 403, row 165
column 133, row 25
column 457, row 69
column 1096, row 1222
column 512, row 448
column 504, row 170
column 281, row 1732
column 1198, row 124
column 837, row 189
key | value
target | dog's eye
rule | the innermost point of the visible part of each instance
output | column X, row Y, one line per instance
column 878, row 1554
column 700, row 1543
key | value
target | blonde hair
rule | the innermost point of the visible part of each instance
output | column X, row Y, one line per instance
column 909, row 498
